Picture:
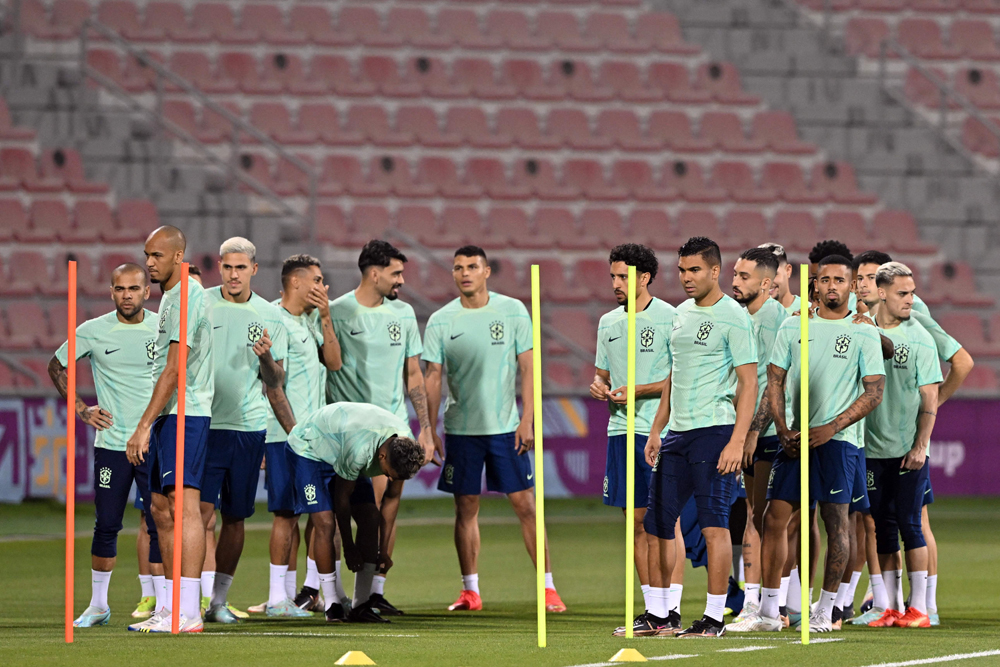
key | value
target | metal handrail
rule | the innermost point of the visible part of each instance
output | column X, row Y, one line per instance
column 238, row 123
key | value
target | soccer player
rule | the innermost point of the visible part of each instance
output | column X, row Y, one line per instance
column 155, row 434
column 846, row 381
column 334, row 453
column 897, row 437
column 781, row 286
column 708, row 401
column 301, row 394
column 653, row 319
column 118, row 345
column 481, row 340
column 248, row 346
column 825, row 249
column 752, row 276
column 380, row 350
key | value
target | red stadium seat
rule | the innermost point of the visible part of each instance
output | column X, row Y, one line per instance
column 723, row 81
column 779, row 131
column 337, row 74
column 28, row 325
column 274, row 119
column 87, row 283
column 506, row 280
column 70, row 15
column 394, row 172
column 324, row 120
column 974, row 39
column 92, row 221
column 27, row 273
column 411, row 25
column 967, row 328
column 796, row 230
column 219, row 19
column 588, row 176
column 900, row 229
column 198, row 69
column 345, row 171
column 136, row 219
column 651, row 227
column 595, row 275
column 725, row 129
column 371, row 121
column 513, row 27
column 171, row 18
column 637, row 177
column 422, row 123
column 888, row 6
column 745, row 228
column 922, row 37
column 864, row 36
column 433, row 77
column 540, row 175
column 365, row 24
column 443, row 175
column 981, row 380
column 581, row 83
column 315, row 22
column 981, row 86
column 687, row 179
column 470, row 123
column 851, row 225
column 555, row 286
column 244, row 69
column 837, row 180
column 955, row 282
column 936, row 6
column 123, row 17
column 559, row 225
column 18, row 165
column 290, row 179
column 289, row 71
column 67, row 165
column 563, row 28
column 572, row 127
column 697, row 222
column 462, row 27
column 994, row 329
column 462, row 222
column 787, row 179
column 981, row 6
column 422, row 223
column 662, row 31
column 491, row 175
column 625, row 79
column 369, row 221
column 528, row 78
column 521, row 125
column 979, row 139
column 35, row 21
column 674, row 129
column 49, row 217
column 560, row 376
column 477, row 75
column 268, row 21
column 510, row 225
column 331, row 225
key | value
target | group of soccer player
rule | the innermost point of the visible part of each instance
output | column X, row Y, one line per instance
column 313, row 391
column 718, row 427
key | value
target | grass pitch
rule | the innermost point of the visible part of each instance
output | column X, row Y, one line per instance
column 586, row 540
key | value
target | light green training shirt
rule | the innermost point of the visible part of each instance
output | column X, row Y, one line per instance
column 305, row 374
column 374, row 345
column 766, row 322
column 121, row 356
column 945, row 345
column 891, row 428
column 652, row 358
column 840, row 354
column 347, row 435
column 478, row 348
column 707, row 344
column 794, row 307
column 240, row 403
column 200, row 368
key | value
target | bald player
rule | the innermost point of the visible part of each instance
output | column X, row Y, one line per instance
column 119, row 346
column 155, row 435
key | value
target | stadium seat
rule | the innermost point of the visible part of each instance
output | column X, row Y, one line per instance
column 291, row 179
column 624, row 128
column 372, row 121
column 429, row 280
column 528, row 78
column 27, row 273
column 572, row 127
column 269, row 22
column 981, row 379
column 837, row 181
column 28, row 325
column 462, row 222
column 462, row 27
column 967, row 328
column 172, row 19
column 540, row 175
column 383, row 71
column 956, row 283
column 687, row 179
column 393, row 171
column 602, row 226
column 509, row 225
column 199, row 70
column 514, row 29
column 92, row 221
column 18, row 164
column 981, row 6
column 977, row 137
column 368, row 221
column 491, row 175
column 422, row 123
column 123, row 17
column 337, row 74
column 555, row 286
column 662, row 31
column 136, row 219
column 443, row 175
column 636, row 176
column 411, row 25
column 922, row 37
column 575, row 326
column 288, row 70
column 994, row 330
column 560, row 376
column 563, row 29
column 697, row 222
column 331, row 225
column 725, row 130
column 888, row 6
column 35, row 21
column 588, row 176
column 10, row 132
column 324, row 120
column 745, row 228
column 364, row 24
column 974, row 39
column 900, row 230
column 723, row 81
column 674, row 129
column 981, row 86
column 48, row 217
column 274, row 119
column 580, row 81
column 505, row 280
column 477, row 74
column 778, row 130
column 611, row 30
column 851, row 225
column 594, row 275
column 521, row 125
column 470, row 123
column 314, row 21
column 788, row 180
column 86, row 282
column 652, row 227
column 863, row 36
column 244, row 69
column 422, row 224
column 796, row 230
column 558, row 225
column 625, row 79
column 218, row 18
column 344, row 172
column 69, row 15
column 432, row 75
column 67, row 165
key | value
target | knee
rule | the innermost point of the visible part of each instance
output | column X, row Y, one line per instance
column 322, row 524
column 467, row 507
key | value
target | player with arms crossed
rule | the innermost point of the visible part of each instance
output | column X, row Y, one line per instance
column 481, row 340
column 752, row 277
column 846, row 380
column 248, row 345
column 708, row 402
column 156, row 433
column 380, row 350
column 119, row 345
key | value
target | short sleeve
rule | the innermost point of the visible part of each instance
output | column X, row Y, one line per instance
column 870, row 356
column 279, row 341
column 196, row 309
column 928, row 368
column 413, row 346
column 742, row 342
column 602, row 352
column 523, row 334
column 433, row 351
column 781, row 353
column 661, row 369
column 84, row 344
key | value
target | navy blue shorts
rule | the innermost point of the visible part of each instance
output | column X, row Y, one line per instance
column 232, row 470
column 767, row 449
column 163, row 451
column 928, row 493
column 315, row 483
column 466, row 455
column 113, row 477
column 615, row 471
column 897, row 500
column 687, row 466
column 859, row 493
column 833, row 476
column 783, row 483
column 278, row 479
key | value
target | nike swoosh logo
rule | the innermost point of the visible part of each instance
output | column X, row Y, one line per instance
column 927, row 491
column 461, row 334
column 837, row 491
column 903, row 472
column 218, row 327
column 611, row 340
column 112, row 351
column 531, row 475
column 854, row 500
column 305, row 339
column 355, row 333
column 770, row 451
column 167, row 473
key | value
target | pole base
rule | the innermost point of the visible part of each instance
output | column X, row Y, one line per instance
column 628, row 655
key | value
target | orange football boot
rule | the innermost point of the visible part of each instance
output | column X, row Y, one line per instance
column 913, row 619
column 887, row 620
column 467, row 601
column 553, row 602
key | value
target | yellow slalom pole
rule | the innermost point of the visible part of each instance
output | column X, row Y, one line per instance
column 536, row 365
column 805, row 524
column 630, row 459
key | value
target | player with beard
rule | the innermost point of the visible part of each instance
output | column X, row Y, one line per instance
column 119, row 346
column 155, row 434
column 380, row 352
column 752, row 277
column 781, row 288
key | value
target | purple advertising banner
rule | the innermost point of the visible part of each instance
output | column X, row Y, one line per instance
column 33, row 450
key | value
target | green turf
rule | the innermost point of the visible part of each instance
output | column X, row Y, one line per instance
column 588, row 559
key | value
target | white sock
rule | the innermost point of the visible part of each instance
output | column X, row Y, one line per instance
column 99, row 588
column 931, row 593
column 363, row 584
column 715, row 606
column 674, row 595
column 276, row 591
column 190, row 597
column 891, row 579
column 548, row 581
column 880, row 598
column 853, row 587
column 659, row 601
column 146, row 582
column 160, row 590
column 826, row 601
column 290, row 584
column 794, row 600
column 811, row 594
column 326, row 585
column 841, row 599
column 378, row 584
column 220, row 593
column 168, row 594
column 645, row 596
column 470, row 582
column 899, row 591
column 312, row 574
column 783, row 592
column 918, row 591
column 338, row 585
column 751, row 594
column 207, row 584
column 770, row 599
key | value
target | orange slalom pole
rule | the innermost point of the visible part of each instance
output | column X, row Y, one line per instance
column 182, row 354
column 70, row 450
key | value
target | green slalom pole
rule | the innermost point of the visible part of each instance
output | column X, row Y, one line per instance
column 630, row 459
column 536, row 355
column 805, row 524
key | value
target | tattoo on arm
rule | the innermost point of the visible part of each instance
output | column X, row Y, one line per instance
column 271, row 371
column 59, row 375
column 762, row 419
column 282, row 410
column 419, row 399
column 775, row 394
column 863, row 405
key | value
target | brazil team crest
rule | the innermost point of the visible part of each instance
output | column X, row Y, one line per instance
column 496, row 330
column 254, row 331
column 704, row 330
column 395, row 332
column 871, row 480
column 310, row 491
column 163, row 319
column 646, row 337
column 902, row 354
column 842, row 344
column 105, row 478
column 449, row 474
column 151, row 349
